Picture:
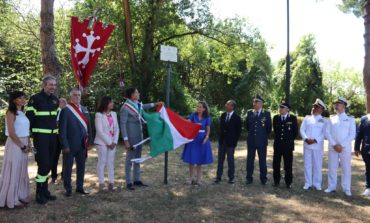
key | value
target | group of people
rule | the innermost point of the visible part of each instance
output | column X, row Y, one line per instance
column 339, row 130
column 57, row 126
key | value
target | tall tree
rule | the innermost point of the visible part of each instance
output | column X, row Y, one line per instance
column 51, row 64
column 306, row 83
column 362, row 8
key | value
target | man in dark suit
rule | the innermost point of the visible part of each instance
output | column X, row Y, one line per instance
column 230, row 129
column 285, row 128
column 75, row 136
column 362, row 146
column 258, row 125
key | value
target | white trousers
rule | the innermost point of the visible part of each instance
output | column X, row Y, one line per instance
column 313, row 167
column 345, row 162
column 105, row 158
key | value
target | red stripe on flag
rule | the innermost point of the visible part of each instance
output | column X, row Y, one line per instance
column 186, row 128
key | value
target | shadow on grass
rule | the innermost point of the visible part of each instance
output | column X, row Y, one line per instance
column 177, row 202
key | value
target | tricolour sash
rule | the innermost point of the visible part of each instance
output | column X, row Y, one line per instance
column 130, row 105
column 83, row 120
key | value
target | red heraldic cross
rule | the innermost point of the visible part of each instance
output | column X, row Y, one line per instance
column 86, row 46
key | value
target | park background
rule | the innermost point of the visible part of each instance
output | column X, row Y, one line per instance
column 220, row 58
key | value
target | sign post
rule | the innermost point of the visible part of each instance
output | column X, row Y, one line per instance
column 168, row 54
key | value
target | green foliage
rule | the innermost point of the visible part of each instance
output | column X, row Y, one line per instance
column 352, row 6
column 346, row 83
column 20, row 68
column 306, row 80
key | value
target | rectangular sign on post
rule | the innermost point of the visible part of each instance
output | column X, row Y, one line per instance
column 168, row 53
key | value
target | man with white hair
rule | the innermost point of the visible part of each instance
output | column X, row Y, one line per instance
column 313, row 131
column 340, row 132
column 75, row 137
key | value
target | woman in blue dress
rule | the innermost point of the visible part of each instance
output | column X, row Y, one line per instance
column 199, row 152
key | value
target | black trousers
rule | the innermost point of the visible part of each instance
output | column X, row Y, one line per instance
column 287, row 155
column 262, row 151
column 45, row 145
column 223, row 151
column 366, row 158
column 54, row 164
column 80, row 157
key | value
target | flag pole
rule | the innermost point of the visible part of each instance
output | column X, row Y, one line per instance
column 168, row 81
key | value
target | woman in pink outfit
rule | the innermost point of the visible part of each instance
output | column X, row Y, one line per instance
column 106, row 139
column 14, row 181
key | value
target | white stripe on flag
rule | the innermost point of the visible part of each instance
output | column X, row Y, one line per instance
column 178, row 139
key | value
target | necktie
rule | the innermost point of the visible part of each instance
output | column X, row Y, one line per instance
column 228, row 117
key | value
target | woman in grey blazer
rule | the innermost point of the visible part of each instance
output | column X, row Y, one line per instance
column 131, row 128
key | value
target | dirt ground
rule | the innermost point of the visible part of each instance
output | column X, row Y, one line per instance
column 178, row 202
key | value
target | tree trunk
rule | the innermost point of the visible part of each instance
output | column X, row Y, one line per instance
column 51, row 64
column 366, row 71
column 129, row 40
column 146, row 62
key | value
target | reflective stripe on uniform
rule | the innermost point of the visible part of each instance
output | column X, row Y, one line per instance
column 42, row 113
column 41, row 179
column 45, row 113
column 30, row 109
column 47, row 131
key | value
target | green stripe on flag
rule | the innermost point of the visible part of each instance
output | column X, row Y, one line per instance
column 160, row 134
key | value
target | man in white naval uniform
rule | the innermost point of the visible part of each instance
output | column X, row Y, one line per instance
column 340, row 132
column 313, row 133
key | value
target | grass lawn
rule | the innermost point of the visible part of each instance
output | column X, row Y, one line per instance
column 178, row 202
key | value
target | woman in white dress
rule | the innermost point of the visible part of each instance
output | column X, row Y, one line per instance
column 14, row 180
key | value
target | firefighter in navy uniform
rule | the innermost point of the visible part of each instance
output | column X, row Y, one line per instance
column 285, row 127
column 42, row 112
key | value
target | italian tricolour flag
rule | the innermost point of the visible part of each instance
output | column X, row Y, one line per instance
column 167, row 131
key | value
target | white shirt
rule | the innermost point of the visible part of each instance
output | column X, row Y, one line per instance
column 228, row 115
column 283, row 117
column 313, row 127
column 21, row 125
column 341, row 130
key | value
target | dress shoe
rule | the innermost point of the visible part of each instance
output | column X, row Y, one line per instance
column 217, row 181
column 111, row 187
column 68, row 193
column 249, row 182
column 103, row 188
column 130, row 187
column 231, row 181
column 25, row 202
column 54, row 180
column 348, row 193
column 276, row 184
column 329, row 191
column 140, row 184
column 19, row 206
column 82, row 191
column 366, row 192
column 306, row 187
column 289, row 186
column 263, row 182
